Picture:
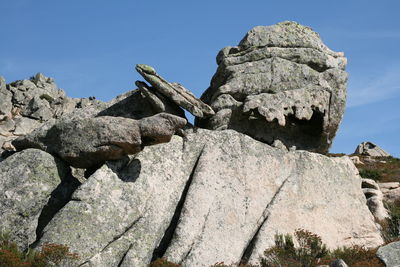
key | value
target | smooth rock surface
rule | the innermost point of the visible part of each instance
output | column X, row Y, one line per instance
column 390, row 254
column 211, row 197
column 89, row 142
column 281, row 82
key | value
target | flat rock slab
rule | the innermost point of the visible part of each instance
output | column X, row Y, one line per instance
column 175, row 92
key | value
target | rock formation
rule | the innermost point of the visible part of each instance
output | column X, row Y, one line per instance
column 370, row 149
column 90, row 142
column 280, row 82
column 202, row 196
column 390, row 254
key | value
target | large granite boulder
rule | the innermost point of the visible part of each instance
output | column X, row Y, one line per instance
column 89, row 142
column 208, row 197
column 281, row 82
column 34, row 186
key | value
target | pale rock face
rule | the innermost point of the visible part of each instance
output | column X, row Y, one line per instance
column 208, row 197
column 370, row 149
column 280, row 82
column 33, row 186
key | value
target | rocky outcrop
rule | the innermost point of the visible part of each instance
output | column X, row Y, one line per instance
column 217, row 196
column 89, row 142
column 370, row 149
column 280, row 82
column 27, row 104
column 34, row 186
column 390, row 254
column 175, row 92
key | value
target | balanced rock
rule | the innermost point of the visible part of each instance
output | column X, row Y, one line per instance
column 370, row 149
column 175, row 92
column 281, row 82
column 209, row 197
column 89, row 142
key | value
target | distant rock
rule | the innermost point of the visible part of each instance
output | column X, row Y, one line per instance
column 281, row 82
column 390, row 254
column 370, row 149
column 89, row 142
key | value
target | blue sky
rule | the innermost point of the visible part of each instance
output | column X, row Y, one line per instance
column 91, row 47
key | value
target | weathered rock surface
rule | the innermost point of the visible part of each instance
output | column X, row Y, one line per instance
column 175, row 92
column 390, row 254
column 89, row 142
column 217, row 196
column 280, row 82
column 374, row 197
column 34, row 186
column 370, row 149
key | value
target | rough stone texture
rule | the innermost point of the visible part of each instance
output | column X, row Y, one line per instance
column 370, row 149
column 33, row 186
column 209, row 197
column 175, row 92
column 89, row 142
column 280, row 82
column 390, row 254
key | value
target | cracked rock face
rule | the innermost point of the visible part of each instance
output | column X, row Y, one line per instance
column 217, row 196
column 280, row 82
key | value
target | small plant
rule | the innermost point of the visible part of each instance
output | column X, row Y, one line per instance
column 355, row 256
column 161, row 262
column 308, row 253
column 49, row 255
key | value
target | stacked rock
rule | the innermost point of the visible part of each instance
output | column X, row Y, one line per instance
column 280, row 82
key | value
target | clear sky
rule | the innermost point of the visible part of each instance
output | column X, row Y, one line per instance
column 90, row 47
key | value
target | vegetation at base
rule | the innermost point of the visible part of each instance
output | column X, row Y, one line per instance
column 49, row 255
column 371, row 174
column 304, row 250
column 382, row 169
column 391, row 226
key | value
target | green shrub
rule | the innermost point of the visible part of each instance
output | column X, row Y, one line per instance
column 49, row 255
column 308, row 253
column 391, row 226
column 371, row 174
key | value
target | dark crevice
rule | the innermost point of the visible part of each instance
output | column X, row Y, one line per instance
column 124, row 256
column 123, row 233
column 248, row 251
column 166, row 239
column 60, row 197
